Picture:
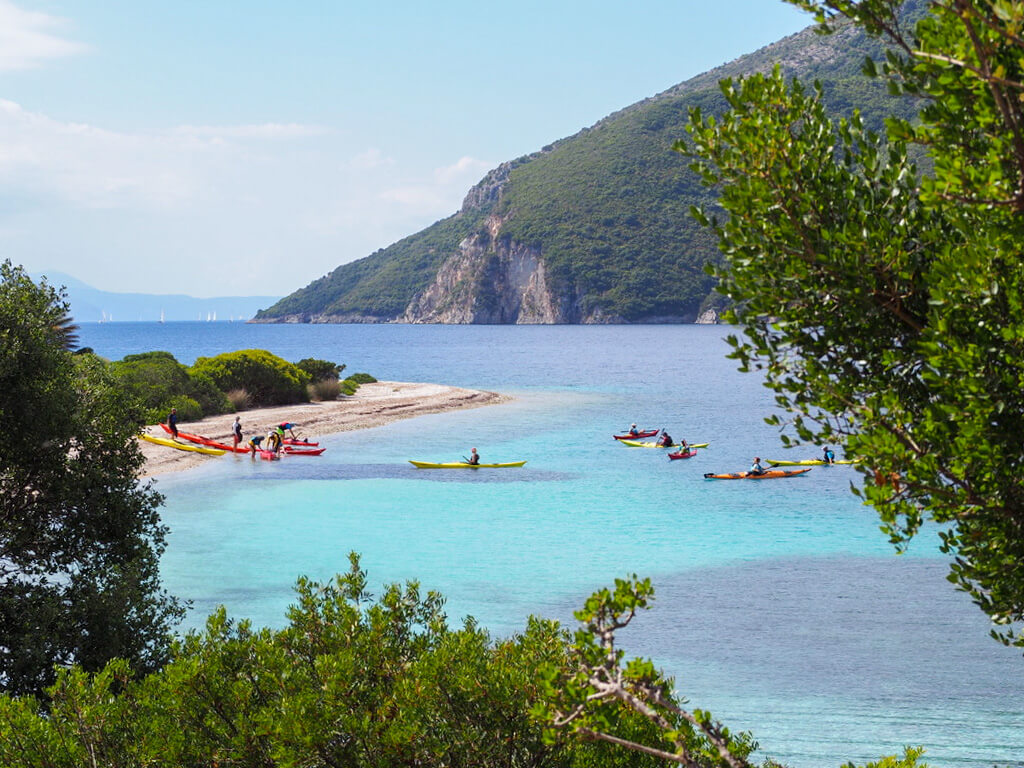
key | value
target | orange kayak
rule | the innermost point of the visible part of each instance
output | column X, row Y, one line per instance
column 768, row 474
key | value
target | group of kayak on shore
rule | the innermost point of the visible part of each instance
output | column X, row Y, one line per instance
column 757, row 469
column 274, row 438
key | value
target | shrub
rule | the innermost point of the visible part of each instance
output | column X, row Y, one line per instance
column 362, row 378
column 349, row 386
column 269, row 379
column 188, row 409
column 239, row 398
column 325, row 389
column 321, row 370
column 156, row 379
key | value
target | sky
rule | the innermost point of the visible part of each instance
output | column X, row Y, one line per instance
column 214, row 148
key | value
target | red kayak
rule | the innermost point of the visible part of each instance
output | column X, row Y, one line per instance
column 268, row 455
column 209, row 443
column 300, row 452
column 683, row 454
column 297, row 441
column 638, row 435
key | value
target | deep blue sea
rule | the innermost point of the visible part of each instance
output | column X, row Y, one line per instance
column 779, row 606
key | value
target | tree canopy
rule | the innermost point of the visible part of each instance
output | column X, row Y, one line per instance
column 352, row 680
column 79, row 537
column 885, row 304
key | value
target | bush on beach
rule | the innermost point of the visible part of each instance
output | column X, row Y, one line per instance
column 325, row 389
column 321, row 370
column 269, row 379
column 239, row 398
column 158, row 382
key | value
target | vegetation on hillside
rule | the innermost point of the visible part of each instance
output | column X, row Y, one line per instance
column 607, row 209
column 382, row 284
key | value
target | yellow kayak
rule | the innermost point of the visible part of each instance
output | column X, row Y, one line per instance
column 461, row 465
column 182, row 446
column 809, row 463
column 639, row 444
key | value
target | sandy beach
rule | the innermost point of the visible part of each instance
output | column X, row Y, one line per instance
column 373, row 405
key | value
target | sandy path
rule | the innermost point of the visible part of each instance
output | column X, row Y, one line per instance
column 372, row 405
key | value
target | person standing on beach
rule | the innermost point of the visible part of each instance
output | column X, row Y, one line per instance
column 172, row 422
column 236, row 431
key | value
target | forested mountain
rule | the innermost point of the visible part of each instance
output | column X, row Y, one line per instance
column 593, row 228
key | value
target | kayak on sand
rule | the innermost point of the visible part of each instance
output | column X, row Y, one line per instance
column 209, row 443
column 181, row 446
column 766, row 475
column 298, row 441
column 462, row 465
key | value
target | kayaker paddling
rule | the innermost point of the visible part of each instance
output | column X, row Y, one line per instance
column 474, row 458
column 756, row 468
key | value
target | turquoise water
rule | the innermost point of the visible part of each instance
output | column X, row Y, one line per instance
column 780, row 605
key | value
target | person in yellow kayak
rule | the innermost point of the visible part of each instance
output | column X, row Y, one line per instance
column 827, row 455
column 474, row 457
column 665, row 440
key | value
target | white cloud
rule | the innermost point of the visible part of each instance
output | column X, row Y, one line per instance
column 371, row 158
column 91, row 167
column 260, row 131
column 195, row 208
column 27, row 38
column 442, row 194
column 466, row 168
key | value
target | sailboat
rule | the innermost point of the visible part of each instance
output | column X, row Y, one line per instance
column 161, row 315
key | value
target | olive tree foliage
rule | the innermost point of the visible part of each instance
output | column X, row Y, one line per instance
column 593, row 692
column 885, row 305
column 79, row 537
column 352, row 680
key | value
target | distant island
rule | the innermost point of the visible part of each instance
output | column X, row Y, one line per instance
column 92, row 305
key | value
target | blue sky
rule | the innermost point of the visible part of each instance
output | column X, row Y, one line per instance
column 223, row 148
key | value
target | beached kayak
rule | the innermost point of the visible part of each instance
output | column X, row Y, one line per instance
column 183, row 447
column 462, row 465
column 809, row 463
column 638, row 444
column 298, row 441
column 293, row 451
column 639, row 435
column 683, row 454
column 208, row 442
column 769, row 474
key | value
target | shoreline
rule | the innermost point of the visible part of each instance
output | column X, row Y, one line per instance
column 373, row 405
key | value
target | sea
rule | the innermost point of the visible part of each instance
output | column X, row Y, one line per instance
column 779, row 605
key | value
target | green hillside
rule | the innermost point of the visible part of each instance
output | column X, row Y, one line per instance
column 605, row 209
